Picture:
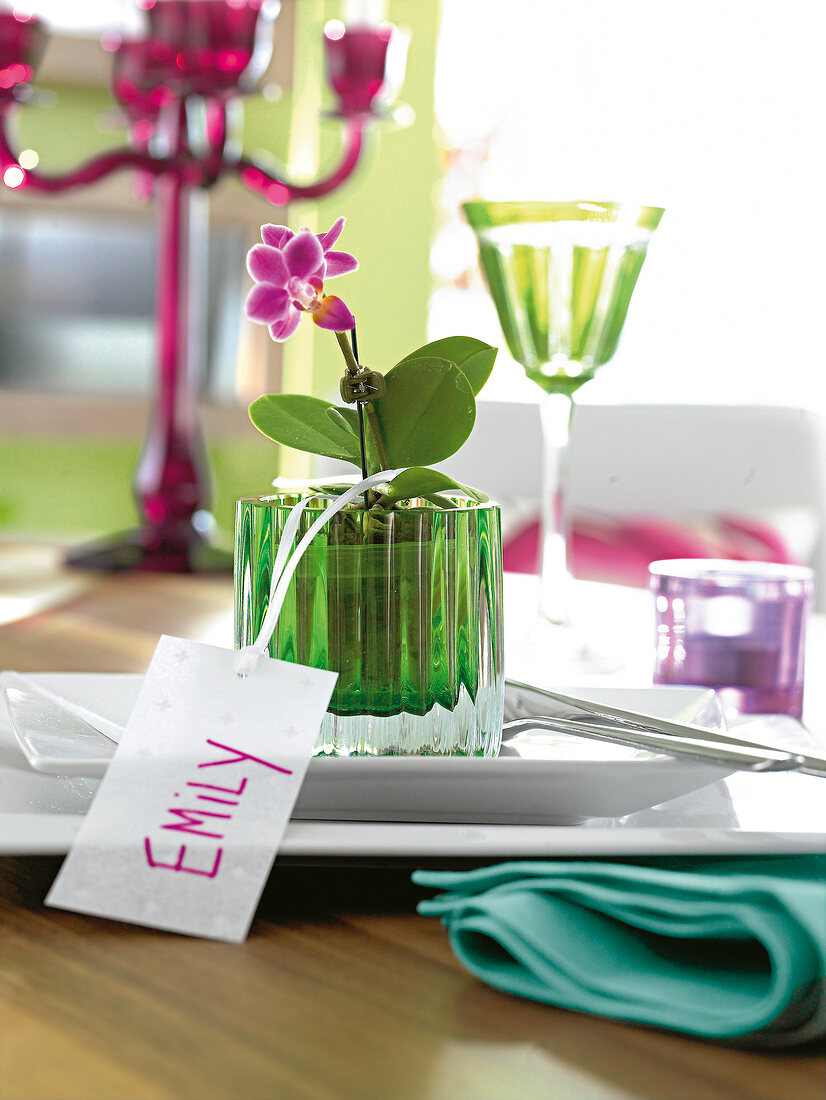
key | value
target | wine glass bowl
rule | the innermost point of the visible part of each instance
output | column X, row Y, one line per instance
column 561, row 275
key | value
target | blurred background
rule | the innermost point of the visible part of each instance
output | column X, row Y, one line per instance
column 711, row 110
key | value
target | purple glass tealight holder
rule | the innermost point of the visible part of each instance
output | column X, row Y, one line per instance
column 736, row 626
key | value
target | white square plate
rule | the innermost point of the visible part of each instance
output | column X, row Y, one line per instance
column 412, row 808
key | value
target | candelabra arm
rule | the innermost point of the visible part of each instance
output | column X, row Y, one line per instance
column 279, row 191
column 89, row 172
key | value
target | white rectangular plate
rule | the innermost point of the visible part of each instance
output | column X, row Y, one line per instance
column 411, row 808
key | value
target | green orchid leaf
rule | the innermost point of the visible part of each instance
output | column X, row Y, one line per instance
column 426, row 413
column 442, row 502
column 474, row 358
column 332, row 490
column 349, row 415
column 337, row 417
column 303, row 423
column 421, row 482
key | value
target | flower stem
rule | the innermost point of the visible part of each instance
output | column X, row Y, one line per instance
column 375, row 431
column 372, row 416
column 360, row 411
column 347, row 352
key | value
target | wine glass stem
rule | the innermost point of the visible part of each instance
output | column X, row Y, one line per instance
column 555, row 411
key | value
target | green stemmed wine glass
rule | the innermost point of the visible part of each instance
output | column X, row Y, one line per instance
column 561, row 275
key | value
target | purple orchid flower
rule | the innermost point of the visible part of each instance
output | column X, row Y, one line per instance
column 289, row 270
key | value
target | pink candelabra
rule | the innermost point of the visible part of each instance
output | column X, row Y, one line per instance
column 179, row 85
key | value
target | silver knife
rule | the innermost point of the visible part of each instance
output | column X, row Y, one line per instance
column 709, row 752
column 614, row 723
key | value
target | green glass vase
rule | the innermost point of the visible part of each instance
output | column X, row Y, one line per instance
column 406, row 605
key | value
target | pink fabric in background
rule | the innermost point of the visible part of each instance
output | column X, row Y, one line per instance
column 620, row 551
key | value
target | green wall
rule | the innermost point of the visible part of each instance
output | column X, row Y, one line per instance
column 390, row 210
column 75, row 485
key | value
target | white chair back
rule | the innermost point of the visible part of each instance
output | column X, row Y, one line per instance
column 668, row 461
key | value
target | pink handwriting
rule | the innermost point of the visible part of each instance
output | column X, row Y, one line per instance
column 225, row 790
column 178, row 865
column 193, row 821
column 239, row 756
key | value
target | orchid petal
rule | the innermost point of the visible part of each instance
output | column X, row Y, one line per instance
column 276, row 235
column 283, row 330
column 340, row 263
column 303, row 254
column 266, row 303
column 333, row 314
column 329, row 238
column 266, row 265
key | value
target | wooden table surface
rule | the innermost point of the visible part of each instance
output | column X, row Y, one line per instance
column 341, row 989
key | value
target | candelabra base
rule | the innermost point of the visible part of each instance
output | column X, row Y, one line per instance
column 176, row 549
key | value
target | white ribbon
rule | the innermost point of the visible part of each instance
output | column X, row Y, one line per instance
column 286, row 564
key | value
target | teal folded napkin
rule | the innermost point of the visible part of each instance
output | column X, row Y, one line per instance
column 727, row 949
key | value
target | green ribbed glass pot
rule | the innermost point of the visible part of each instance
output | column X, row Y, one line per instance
column 406, row 605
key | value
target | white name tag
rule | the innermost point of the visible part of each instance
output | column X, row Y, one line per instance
column 188, row 819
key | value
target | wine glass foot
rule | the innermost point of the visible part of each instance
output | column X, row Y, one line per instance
column 555, row 653
column 179, row 548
